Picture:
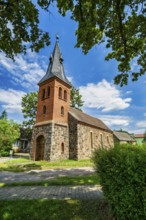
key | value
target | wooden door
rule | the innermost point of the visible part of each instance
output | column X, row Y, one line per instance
column 40, row 147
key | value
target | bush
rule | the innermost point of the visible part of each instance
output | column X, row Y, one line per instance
column 122, row 172
column 5, row 152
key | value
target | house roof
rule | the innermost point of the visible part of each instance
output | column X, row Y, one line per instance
column 139, row 135
column 87, row 119
column 123, row 136
column 55, row 68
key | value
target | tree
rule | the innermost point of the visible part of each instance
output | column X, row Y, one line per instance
column 4, row 115
column 144, row 139
column 19, row 27
column 119, row 24
column 9, row 132
column 76, row 99
column 29, row 106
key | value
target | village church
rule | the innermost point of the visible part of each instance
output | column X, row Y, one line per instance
column 62, row 132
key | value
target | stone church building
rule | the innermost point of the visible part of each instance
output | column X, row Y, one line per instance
column 62, row 132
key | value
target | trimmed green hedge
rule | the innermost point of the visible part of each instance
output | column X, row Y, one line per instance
column 122, row 172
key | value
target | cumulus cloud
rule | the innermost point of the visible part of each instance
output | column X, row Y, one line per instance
column 115, row 120
column 26, row 70
column 104, row 96
column 141, row 124
column 11, row 100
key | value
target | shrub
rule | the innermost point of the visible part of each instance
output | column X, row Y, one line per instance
column 5, row 151
column 122, row 172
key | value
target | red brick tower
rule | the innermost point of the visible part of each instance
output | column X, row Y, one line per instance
column 50, row 139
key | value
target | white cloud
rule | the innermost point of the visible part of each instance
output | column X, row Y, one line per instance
column 141, row 124
column 11, row 100
column 145, row 114
column 115, row 120
column 104, row 96
column 26, row 70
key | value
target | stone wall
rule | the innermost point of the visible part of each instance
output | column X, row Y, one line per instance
column 56, row 142
column 60, row 142
column 90, row 138
column 72, row 138
column 46, row 131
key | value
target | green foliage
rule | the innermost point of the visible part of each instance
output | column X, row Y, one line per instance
column 76, row 99
column 19, row 27
column 122, row 172
column 120, row 24
column 9, row 132
column 4, row 115
column 29, row 107
column 144, row 140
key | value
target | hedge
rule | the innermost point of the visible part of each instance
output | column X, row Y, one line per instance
column 122, row 172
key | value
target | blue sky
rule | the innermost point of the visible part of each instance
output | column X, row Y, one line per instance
column 119, row 107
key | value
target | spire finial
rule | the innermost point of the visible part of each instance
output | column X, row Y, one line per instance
column 57, row 37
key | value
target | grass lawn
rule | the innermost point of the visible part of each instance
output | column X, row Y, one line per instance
column 60, row 181
column 54, row 210
column 20, row 165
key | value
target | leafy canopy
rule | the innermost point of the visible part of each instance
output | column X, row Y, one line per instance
column 119, row 24
column 19, row 27
column 9, row 132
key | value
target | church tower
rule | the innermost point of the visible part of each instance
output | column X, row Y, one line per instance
column 50, row 140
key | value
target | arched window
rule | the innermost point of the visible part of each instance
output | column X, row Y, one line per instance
column 48, row 91
column 43, row 94
column 60, row 92
column 101, row 140
column 91, row 139
column 62, row 110
column 65, row 95
column 108, row 140
column 44, row 109
column 62, row 148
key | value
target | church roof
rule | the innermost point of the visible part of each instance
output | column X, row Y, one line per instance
column 55, row 68
column 123, row 136
column 87, row 119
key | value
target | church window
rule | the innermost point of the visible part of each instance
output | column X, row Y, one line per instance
column 60, row 92
column 44, row 109
column 65, row 95
column 108, row 140
column 43, row 94
column 62, row 148
column 48, row 91
column 101, row 140
column 91, row 139
column 62, row 110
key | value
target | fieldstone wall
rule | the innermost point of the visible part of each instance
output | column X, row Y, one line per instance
column 60, row 142
column 56, row 142
column 73, row 150
column 46, row 131
column 90, row 138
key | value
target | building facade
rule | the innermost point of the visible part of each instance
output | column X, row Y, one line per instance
column 61, row 132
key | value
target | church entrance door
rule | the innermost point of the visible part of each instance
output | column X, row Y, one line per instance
column 40, row 148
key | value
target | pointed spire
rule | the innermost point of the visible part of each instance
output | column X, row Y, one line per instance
column 55, row 68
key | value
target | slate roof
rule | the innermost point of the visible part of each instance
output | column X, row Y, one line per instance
column 87, row 119
column 123, row 136
column 55, row 68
